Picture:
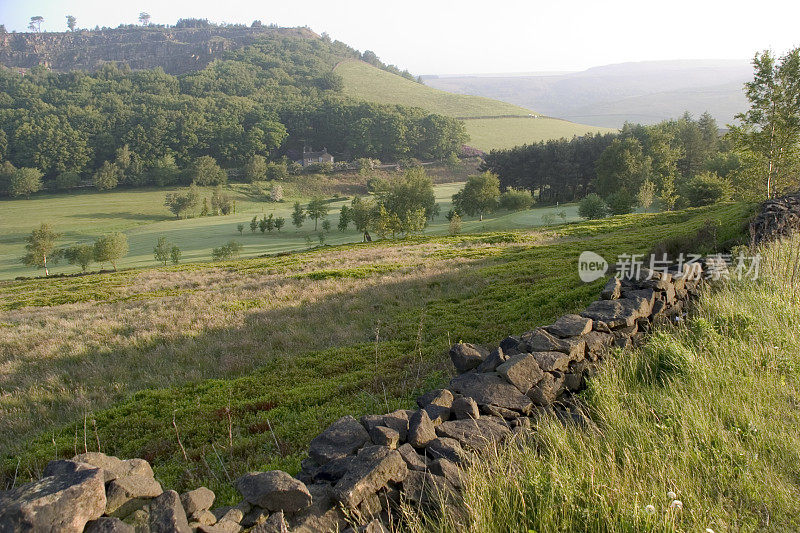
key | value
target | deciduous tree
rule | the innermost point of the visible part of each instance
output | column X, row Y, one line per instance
column 40, row 248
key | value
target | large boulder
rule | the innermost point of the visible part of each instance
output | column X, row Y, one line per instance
column 374, row 467
column 467, row 356
column 114, row 467
column 126, row 494
column 199, row 499
column 63, row 502
column 166, row 514
column 522, row 371
column 342, row 438
column 474, row 434
column 491, row 388
column 539, row 340
column 570, row 326
column 274, row 490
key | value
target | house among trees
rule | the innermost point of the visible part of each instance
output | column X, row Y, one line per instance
column 316, row 157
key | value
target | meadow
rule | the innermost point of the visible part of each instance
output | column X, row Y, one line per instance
column 245, row 361
column 509, row 125
column 141, row 215
column 706, row 409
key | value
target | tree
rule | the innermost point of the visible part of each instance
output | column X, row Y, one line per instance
column 270, row 223
column 144, row 18
column 479, row 195
column 254, row 224
column 317, row 209
column 240, row 229
column 36, row 24
column 516, row 200
column 622, row 166
column 256, row 168
column 276, row 193
column 175, row 255
column 80, row 254
column 387, row 223
column 107, row 177
column 67, row 180
column 326, row 225
column 344, row 218
column 110, row 248
column 205, row 171
column 279, row 223
column 667, row 196
column 621, row 202
column 204, row 211
column 220, row 202
column 455, row 224
column 364, row 212
column 162, row 250
column 705, row 189
column 25, row 181
column 228, row 251
column 298, row 215
column 408, row 194
column 40, row 247
column 770, row 129
column 7, row 171
column 182, row 204
column 262, row 224
column 592, row 207
column 71, row 22
column 165, row 171
column 277, row 171
column 646, row 194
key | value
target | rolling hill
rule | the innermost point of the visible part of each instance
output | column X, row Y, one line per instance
column 490, row 123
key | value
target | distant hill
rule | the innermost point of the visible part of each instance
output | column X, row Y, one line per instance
column 490, row 123
column 645, row 92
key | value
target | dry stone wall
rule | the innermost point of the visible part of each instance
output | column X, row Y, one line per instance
column 778, row 217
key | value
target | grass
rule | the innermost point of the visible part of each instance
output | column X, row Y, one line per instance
column 140, row 214
column 250, row 359
column 709, row 410
column 365, row 82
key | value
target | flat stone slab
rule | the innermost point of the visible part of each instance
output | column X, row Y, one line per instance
column 522, row 371
column 491, row 388
column 274, row 490
column 474, row 434
column 617, row 313
column 373, row 468
column 342, row 438
column 570, row 326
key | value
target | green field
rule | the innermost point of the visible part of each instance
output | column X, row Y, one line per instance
column 365, row 82
column 254, row 357
column 141, row 215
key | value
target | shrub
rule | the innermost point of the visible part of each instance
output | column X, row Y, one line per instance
column 107, row 177
column 226, row 251
column 67, row 180
column 592, row 207
column 277, row 171
column 516, row 200
column 206, row 171
column 318, row 168
column 455, row 224
column 25, row 181
column 705, row 189
column 620, row 203
column 80, row 254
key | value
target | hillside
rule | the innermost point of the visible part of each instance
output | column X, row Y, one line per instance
column 645, row 92
column 490, row 123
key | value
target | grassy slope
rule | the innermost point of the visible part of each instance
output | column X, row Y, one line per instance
column 351, row 329
column 140, row 214
column 365, row 82
column 709, row 409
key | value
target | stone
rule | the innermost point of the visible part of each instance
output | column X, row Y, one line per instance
column 126, row 494
column 448, row 448
column 420, row 429
column 276, row 523
column 510, row 343
column 616, row 313
column 374, row 467
column 167, row 514
column 274, row 490
column 107, row 524
column 64, row 502
column 383, row 436
column 574, row 381
column 323, row 515
column 648, row 294
column 552, row 361
column 597, row 343
column 570, row 326
column 223, row 526
column 448, row 470
column 200, row 499
column 441, row 397
column 548, row 389
column 255, row 516
column 612, row 289
column 397, row 420
column 465, row 407
column 205, row 518
column 500, row 412
column 376, row 526
column 474, row 434
column 490, row 388
column 343, row 437
column 437, row 413
column 466, row 357
column 539, row 340
column 424, row 487
column 333, row 471
column 522, row 371
column 494, row 359
column 114, row 467
column 414, row 461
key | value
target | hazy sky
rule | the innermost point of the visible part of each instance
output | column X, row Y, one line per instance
column 446, row 37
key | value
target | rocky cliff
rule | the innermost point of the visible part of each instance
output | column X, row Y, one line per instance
column 176, row 50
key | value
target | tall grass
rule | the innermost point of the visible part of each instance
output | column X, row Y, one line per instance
column 709, row 410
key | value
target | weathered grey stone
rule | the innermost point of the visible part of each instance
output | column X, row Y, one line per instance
column 539, row 340
column 274, row 490
column 649, row 295
column 229, row 512
column 383, row 436
column 413, row 460
column 493, row 360
column 474, row 434
column 597, row 343
column 255, row 516
column 107, row 524
column 612, row 289
column 467, row 356
column 204, row 517
column 552, row 361
column 570, row 326
column 332, row 471
column 548, row 389
column 510, row 343
column 223, row 526
column 342, row 438
column 490, row 388
column 615, row 313
column 499, row 412
column 323, row 515
column 276, row 523
column 374, row 467
column 522, row 371
column 126, row 494
column 423, row 487
column 397, row 420
column 114, row 467
column 420, row 429
column 437, row 413
column 167, row 514
column 448, row 470
column 65, row 502
column 199, row 499
column 448, row 448
column 441, row 397
column 465, row 407
column 375, row 526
